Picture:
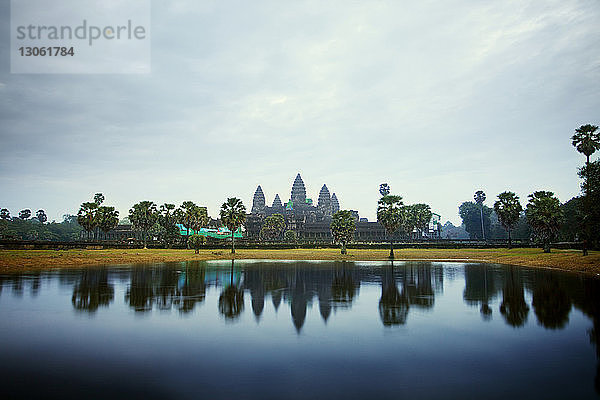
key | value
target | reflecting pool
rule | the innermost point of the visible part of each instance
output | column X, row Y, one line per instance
column 294, row 330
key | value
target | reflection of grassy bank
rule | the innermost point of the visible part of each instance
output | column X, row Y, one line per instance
column 18, row 260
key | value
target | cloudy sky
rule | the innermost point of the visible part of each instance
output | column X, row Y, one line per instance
column 438, row 99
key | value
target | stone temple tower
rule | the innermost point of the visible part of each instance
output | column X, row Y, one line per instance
column 298, row 191
column 258, row 203
column 324, row 204
column 335, row 205
column 277, row 203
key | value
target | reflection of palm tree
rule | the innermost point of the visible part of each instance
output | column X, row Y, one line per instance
column 92, row 291
column 479, row 288
column 193, row 288
column 231, row 300
column 513, row 307
column 140, row 294
column 344, row 286
column 393, row 306
column 551, row 303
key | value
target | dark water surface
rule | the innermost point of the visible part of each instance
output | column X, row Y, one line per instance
column 286, row 330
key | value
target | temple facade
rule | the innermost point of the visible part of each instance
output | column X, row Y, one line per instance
column 299, row 211
column 310, row 222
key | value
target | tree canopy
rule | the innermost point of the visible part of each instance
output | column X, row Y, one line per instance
column 233, row 216
column 544, row 216
column 343, row 227
column 390, row 214
column 508, row 208
column 143, row 216
column 586, row 140
column 470, row 213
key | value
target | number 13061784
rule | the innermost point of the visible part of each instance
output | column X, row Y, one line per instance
column 46, row 51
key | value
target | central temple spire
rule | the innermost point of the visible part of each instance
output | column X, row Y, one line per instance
column 298, row 191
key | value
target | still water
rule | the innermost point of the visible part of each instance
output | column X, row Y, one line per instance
column 287, row 330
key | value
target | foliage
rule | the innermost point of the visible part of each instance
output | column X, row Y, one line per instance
column 25, row 214
column 32, row 229
column 470, row 213
column 508, row 208
column 41, row 216
column 544, row 216
column 590, row 202
column 343, row 227
column 390, row 214
column 86, row 216
column 233, row 216
column 196, row 241
column 4, row 214
column 107, row 218
column 417, row 218
column 273, row 227
column 289, row 236
column 98, row 198
column 586, row 140
column 143, row 216
column 167, row 219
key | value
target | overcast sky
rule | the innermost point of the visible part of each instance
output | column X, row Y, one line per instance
column 438, row 99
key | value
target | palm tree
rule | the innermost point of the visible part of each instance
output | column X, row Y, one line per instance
column 390, row 214
column 143, row 216
column 343, row 226
column 586, row 140
column 233, row 216
column 86, row 216
column 98, row 198
column 479, row 199
column 41, row 216
column 107, row 218
column 543, row 215
column 508, row 209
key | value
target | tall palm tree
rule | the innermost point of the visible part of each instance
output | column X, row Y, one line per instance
column 233, row 216
column 544, row 215
column 508, row 208
column 86, row 216
column 107, row 218
column 390, row 214
column 143, row 216
column 586, row 140
column 479, row 198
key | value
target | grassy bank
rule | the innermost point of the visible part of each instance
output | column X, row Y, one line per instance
column 22, row 260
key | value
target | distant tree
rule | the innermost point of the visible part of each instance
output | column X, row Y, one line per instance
column 41, row 216
column 199, row 218
column 590, row 203
column 391, row 216
column 586, row 140
column 273, row 227
column 143, row 216
column 167, row 220
column 98, row 198
column 508, row 209
column 471, row 217
column 419, row 215
column 290, row 236
column 107, row 218
column 189, row 211
column 86, row 216
column 25, row 214
column 233, row 216
column 4, row 214
column 196, row 241
column 544, row 216
column 479, row 198
column 343, row 227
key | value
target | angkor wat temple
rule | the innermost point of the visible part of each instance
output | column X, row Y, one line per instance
column 308, row 221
